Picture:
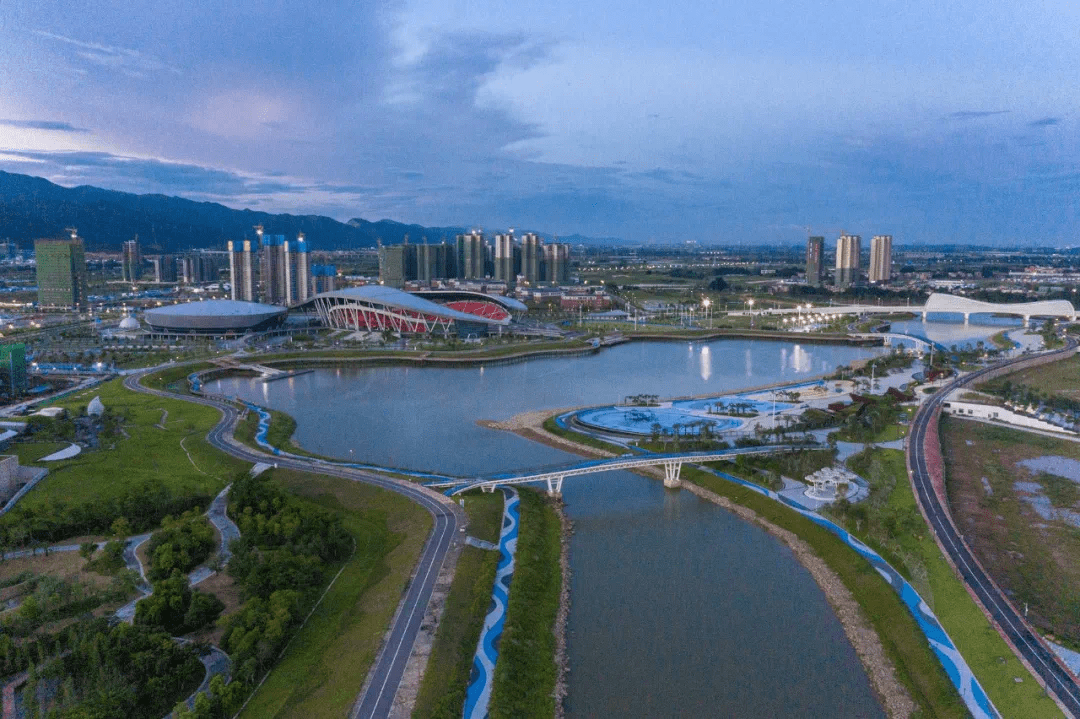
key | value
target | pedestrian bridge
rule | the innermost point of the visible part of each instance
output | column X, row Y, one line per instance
column 553, row 476
column 938, row 303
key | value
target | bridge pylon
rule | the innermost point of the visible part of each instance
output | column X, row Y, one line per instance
column 554, row 485
column 672, row 470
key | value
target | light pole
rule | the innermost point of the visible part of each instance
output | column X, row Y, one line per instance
column 705, row 303
column 751, row 303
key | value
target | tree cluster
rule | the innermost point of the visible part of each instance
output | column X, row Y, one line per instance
column 119, row 672
column 181, row 545
column 142, row 506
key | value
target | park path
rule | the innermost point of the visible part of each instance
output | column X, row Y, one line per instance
column 478, row 693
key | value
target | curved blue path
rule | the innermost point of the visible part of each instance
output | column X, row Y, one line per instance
column 482, row 677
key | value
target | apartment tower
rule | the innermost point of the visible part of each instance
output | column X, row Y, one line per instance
column 881, row 258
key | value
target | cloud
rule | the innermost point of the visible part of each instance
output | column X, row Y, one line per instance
column 127, row 61
column 975, row 114
column 42, row 125
column 1046, row 122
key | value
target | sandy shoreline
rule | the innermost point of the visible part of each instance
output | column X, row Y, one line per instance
column 868, row 647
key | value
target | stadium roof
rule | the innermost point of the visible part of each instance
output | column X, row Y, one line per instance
column 390, row 297
column 508, row 303
column 215, row 308
column 210, row 315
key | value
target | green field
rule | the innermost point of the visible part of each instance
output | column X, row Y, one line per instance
column 442, row 693
column 324, row 667
column 147, row 453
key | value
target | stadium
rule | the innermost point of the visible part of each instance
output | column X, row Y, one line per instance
column 375, row 308
column 215, row 317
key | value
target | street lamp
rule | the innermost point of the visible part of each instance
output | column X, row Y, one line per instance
column 751, row 303
column 705, row 303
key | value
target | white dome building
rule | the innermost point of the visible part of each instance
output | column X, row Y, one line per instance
column 129, row 323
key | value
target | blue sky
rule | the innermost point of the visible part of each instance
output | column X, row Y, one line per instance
column 731, row 122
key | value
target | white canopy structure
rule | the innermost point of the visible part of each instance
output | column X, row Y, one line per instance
column 938, row 302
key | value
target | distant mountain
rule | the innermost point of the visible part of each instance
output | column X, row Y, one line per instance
column 32, row 207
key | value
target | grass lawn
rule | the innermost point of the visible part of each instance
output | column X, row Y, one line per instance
column 1001, row 341
column 922, row 563
column 525, row 673
column 442, row 693
column 325, row 666
column 1061, row 378
column 146, row 453
column 551, row 426
column 31, row 452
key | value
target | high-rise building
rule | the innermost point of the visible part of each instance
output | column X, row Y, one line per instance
column 132, row 260
column 274, row 275
column 241, row 271
column 815, row 248
column 301, row 281
column 881, row 258
column 432, row 262
column 556, row 263
column 504, row 257
column 530, row 258
column 13, row 369
column 471, row 255
column 397, row 264
column 202, row 266
column 848, row 250
column 323, row 279
column 61, row 272
column 165, row 269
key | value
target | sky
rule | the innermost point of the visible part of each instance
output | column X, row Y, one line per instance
column 744, row 121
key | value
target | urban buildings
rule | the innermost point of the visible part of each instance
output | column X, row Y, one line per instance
column 13, row 369
column 241, row 271
column 323, row 279
column 284, row 269
column 164, row 268
column 815, row 248
column 61, row 272
column 848, row 250
column 504, row 257
column 132, row 261
column 881, row 258
column 201, row 267
column 471, row 257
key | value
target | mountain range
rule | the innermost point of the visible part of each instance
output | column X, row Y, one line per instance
column 32, row 207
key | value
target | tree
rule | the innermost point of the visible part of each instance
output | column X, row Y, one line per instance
column 87, row 549
column 718, row 284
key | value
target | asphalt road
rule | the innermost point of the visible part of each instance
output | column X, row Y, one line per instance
column 1008, row 619
column 377, row 697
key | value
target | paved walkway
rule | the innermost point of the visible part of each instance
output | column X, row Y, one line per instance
column 68, row 452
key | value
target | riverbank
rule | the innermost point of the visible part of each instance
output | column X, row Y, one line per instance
column 868, row 646
column 903, row 671
column 562, row 662
column 512, row 354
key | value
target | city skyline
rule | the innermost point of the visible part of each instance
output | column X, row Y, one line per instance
column 715, row 124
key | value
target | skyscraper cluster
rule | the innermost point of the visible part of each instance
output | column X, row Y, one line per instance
column 472, row 257
column 275, row 270
column 849, row 260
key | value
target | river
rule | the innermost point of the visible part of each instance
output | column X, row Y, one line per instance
column 678, row 607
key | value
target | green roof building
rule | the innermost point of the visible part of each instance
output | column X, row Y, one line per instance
column 13, row 369
column 61, row 272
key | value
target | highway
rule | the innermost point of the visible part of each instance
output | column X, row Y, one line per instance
column 1010, row 623
column 377, row 695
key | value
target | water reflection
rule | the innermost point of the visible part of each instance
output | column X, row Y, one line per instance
column 706, row 363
